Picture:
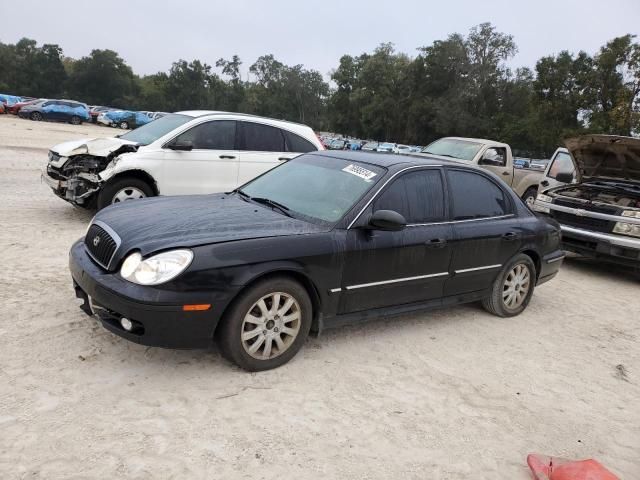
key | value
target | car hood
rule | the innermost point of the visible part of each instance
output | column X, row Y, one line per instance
column 609, row 156
column 99, row 147
column 159, row 223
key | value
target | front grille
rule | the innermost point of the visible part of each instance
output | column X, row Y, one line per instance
column 589, row 223
column 593, row 207
column 101, row 245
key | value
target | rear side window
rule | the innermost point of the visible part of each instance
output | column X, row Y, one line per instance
column 256, row 137
column 216, row 135
column 295, row 143
column 475, row 196
column 418, row 196
column 561, row 164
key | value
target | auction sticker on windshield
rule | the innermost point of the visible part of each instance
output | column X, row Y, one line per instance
column 359, row 172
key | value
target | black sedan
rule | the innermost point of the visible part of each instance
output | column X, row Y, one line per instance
column 327, row 239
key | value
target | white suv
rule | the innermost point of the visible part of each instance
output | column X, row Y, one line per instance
column 182, row 153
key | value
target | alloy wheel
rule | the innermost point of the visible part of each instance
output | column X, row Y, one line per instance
column 271, row 325
column 128, row 193
column 516, row 286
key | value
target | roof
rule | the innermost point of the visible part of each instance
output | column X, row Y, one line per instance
column 202, row 113
column 381, row 159
column 484, row 141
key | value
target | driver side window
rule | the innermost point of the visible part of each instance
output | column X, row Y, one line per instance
column 561, row 164
column 496, row 156
column 215, row 135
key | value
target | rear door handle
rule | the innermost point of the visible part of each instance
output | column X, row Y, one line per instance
column 510, row 236
column 436, row 243
column 227, row 157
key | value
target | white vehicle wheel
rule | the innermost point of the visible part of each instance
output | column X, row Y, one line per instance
column 128, row 193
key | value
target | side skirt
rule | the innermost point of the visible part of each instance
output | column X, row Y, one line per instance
column 355, row 318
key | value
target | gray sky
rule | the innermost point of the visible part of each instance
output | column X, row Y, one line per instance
column 151, row 34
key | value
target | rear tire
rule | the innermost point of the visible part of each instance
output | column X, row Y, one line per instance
column 123, row 189
column 530, row 196
column 75, row 120
column 512, row 289
column 260, row 336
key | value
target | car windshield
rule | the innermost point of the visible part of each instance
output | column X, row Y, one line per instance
column 454, row 148
column 315, row 188
column 152, row 131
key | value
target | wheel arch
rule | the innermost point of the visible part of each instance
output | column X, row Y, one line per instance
column 289, row 272
column 535, row 256
column 136, row 173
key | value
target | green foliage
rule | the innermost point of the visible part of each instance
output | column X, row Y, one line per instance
column 456, row 86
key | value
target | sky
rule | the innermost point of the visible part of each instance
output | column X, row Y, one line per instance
column 151, row 34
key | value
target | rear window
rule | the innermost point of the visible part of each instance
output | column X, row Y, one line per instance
column 475, row 196
column 256, row 137
column 295, row 143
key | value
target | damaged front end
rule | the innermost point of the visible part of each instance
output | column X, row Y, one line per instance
column 75, row 177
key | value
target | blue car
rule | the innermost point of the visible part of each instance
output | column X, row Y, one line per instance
column 124, row 119
column 56, row 110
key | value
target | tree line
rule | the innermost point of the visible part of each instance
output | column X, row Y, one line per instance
column 457, row 86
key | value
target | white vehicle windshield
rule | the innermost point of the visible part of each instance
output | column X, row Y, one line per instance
column 454, row 148
column 300, row 187
column 152, row 131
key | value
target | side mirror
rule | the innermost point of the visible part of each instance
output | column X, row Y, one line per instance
column 491, row 161
column 184, row 146
column 387, row 220
column 564, row 177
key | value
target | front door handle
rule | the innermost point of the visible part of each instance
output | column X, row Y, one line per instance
column 227, row 157
column 505, row 173
column 510, row 236
column 436, row 243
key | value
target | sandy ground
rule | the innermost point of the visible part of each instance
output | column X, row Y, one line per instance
column 453, row 394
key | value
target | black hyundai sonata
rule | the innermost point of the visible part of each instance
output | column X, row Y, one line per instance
column 323, row 240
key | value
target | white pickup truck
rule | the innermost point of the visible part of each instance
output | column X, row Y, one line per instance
column 491, row 155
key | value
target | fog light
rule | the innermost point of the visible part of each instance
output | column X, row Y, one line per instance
column 126, row 324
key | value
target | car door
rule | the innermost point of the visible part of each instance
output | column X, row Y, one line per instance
column 52, row 110
column 262, row 147
column 386, row 268
column 201, row 160
column 560, row 163
column 486, row 231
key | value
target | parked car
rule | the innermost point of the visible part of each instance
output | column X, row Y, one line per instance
column 539, row 164
column 521, row 162
column 386, row 147
column 124, row 119
column 16, row 107
column 370, row 146
column 402, row 149
column 600, row 212
column 337, row 144
column 491, row 155
column 96, row 110
column 258, row 268
column 179, row 154
column 9, row 100
column 56, row 110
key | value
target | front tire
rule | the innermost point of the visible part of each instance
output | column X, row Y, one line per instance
column 530, row 195
column 124, row 125
column 122, row 190
column 36, row 116
column 266, row 325
column 512, row 289
column 75, row 120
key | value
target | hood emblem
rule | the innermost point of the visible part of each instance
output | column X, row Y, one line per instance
column 96, row 241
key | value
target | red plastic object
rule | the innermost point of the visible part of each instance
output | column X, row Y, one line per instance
column 552, row 468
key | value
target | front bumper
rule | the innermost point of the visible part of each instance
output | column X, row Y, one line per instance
column 609, row 247
column 157, row 314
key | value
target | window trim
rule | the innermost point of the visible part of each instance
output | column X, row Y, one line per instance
column 510, row 211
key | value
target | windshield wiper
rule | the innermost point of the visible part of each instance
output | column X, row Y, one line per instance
column 442, row 155
column 265, row 201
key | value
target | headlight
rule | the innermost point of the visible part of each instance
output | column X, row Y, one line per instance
column 627, row 229
column 631, row 213
column 157, row 269
column 544, row 198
